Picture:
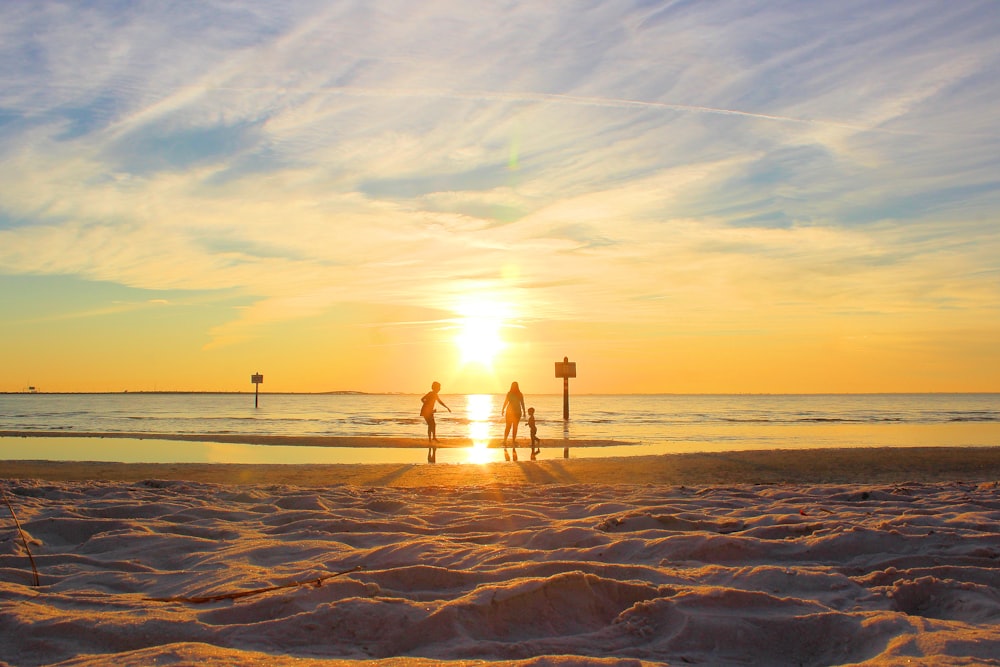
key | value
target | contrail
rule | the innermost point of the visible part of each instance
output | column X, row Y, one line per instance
column 606, row 102
column 187, row 94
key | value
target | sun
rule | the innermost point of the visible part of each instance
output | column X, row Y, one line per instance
column 481, row 318
column 478, row 339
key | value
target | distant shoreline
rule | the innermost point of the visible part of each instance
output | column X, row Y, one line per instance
column 349, row 392
column 207, row 393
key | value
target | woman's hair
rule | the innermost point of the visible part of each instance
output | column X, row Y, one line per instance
column 514, row 387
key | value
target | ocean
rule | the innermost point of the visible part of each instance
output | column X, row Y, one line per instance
column 636, row 424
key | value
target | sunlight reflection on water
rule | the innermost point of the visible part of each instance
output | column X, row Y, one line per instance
column 479, row 409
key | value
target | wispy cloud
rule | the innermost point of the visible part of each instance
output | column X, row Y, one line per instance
column 311, row 154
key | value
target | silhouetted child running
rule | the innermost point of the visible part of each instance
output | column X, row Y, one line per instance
column 534, row 434
column 428, row 401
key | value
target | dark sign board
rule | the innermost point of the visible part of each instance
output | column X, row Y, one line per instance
column 257, row 378
column 565, row 369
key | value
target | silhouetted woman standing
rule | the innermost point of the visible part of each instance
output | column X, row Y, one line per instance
column 512, row 411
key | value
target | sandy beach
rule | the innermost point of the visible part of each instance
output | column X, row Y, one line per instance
column 534, row 333
column 811, row 557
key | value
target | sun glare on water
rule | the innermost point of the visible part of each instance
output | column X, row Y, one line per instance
column 479, row 408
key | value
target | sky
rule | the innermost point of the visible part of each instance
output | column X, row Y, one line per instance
column 681, row 197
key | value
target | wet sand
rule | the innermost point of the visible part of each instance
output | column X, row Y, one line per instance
column 806, row 466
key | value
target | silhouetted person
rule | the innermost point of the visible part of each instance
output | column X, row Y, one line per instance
column 512, row 411
column 429, row 400
column 534, row 434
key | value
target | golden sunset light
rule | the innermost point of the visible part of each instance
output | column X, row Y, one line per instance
column 534, row 332
column 479, row 409
column 361, row 199
column 479, row 339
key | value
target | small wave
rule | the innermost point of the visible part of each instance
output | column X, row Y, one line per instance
column 831, row 420
column 36, row 427
column 48, row 415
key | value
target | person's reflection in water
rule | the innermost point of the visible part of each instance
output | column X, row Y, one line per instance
column 566, row 439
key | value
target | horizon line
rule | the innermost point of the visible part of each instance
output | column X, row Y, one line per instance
column 349, row 392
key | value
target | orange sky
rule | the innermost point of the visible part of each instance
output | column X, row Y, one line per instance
column 708, row 197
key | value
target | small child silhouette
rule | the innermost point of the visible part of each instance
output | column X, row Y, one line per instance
column 534, row 434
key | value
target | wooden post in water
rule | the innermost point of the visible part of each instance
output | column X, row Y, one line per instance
column 565, row 369
column 257, row 379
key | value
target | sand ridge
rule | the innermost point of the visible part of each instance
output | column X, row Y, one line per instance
column 807, row 557
column 567, row 575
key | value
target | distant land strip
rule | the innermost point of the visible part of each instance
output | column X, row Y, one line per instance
column 185, row 392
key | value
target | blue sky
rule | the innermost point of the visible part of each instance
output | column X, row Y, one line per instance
column 647, row 176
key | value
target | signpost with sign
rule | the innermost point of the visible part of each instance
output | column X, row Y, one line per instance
column 257, row 379
column 566, row 369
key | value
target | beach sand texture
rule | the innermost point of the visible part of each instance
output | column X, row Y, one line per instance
column 872, row 557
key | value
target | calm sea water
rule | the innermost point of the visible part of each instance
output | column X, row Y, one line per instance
column 644, row 424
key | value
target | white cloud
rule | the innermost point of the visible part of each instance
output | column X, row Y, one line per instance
column 308, row 153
